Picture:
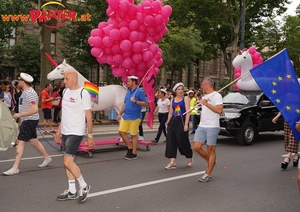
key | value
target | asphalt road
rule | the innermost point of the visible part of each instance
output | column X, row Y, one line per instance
column 245, row 179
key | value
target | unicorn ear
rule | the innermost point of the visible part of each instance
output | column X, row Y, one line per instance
column 64, row 62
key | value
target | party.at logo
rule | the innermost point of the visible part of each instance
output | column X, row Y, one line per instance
column 43, row 15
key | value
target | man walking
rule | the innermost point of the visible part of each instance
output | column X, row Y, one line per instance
column 130, row 116
column 76, row 107
column 28, row 113
column 209, row 127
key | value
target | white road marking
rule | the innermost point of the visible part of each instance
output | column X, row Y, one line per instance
column 144, row 184
column 30, row 158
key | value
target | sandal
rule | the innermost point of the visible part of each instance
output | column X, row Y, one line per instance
column 296, row 160
column 190, row 162
column 171, row 165
column 285, row 162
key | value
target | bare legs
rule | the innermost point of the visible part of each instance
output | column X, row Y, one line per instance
column 130, row 145
column 209, row 155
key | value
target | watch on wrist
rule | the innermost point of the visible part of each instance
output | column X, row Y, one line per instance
column 90, row 135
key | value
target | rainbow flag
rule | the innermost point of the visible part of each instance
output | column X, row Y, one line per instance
column 93, row 90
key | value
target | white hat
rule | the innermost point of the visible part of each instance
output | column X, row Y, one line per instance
column 133, row 77
column 190, row 91
column 177, row 85
column 26, row 77
column 163, row 90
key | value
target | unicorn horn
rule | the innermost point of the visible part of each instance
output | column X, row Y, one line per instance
column 51, row 60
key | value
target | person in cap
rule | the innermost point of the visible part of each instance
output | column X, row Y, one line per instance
column 209, row 127
column 28, row 113
column 177, row 128
column 163, row 108
column 192, row 98
column 130, row 116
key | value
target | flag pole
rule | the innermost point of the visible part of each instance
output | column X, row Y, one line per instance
column 220, row 90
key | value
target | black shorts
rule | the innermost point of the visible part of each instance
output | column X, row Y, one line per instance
column 70, row 144
column 47, row 113
column 28, row 130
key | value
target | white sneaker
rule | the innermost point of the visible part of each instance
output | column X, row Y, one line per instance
column 141, row 138
column 45, row 163
column 11, row 172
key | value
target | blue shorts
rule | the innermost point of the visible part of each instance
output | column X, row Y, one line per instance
column 207, row 135
column 47, row 113
column 70, row 144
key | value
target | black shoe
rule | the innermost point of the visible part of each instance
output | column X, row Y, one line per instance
column 67, row 195
column 193, row 132
column 83, row 193
column 131, row 156
column 154, row 142
column 296, row 160
column 284, row 163
column 129, row 151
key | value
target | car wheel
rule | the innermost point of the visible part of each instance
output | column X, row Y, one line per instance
column 247, row 134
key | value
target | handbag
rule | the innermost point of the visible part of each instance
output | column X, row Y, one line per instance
column 55, row 102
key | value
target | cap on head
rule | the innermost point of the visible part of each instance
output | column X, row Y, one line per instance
column 177, row 85
column 26, row 77
column 133, row 77
column 163, row 90
column 190, row 91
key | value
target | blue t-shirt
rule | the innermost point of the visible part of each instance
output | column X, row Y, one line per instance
column 178, row 108
column 132, row 111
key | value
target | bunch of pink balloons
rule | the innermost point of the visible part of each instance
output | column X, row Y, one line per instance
column 127, row 40
column 256, row 60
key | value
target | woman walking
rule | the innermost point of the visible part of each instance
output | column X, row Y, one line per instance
column 163, row 108
column 177, row 130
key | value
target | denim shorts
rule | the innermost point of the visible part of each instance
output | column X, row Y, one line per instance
column 70, row 144
column 207, row 135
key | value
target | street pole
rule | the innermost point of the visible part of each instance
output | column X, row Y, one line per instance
column 242, row 45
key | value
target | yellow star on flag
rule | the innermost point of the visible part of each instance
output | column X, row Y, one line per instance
column 277, row 100
column 288, row 76
column 274, row 83
column 297, row 110
column 274, row 91
column 287, row 107
column 280, row 78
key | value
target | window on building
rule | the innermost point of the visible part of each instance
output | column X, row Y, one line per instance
column 12, row 39
column 53, row 43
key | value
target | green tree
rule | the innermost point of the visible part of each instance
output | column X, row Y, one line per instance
column 26, row 56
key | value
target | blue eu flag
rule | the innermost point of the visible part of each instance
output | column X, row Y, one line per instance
column 277, row 79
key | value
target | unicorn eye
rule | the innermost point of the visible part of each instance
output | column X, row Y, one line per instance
column 245, row 57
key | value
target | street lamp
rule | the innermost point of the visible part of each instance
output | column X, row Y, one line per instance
column 242, row 45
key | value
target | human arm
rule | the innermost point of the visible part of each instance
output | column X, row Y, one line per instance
column 298, row 126
column 33, row 109
column 121, row 112
column 187, row 116
column 217, row 106
column 274, row 120
column 89, row 121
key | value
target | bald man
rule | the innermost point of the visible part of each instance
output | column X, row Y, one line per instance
column 71, row 130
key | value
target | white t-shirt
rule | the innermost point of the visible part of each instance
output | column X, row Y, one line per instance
column 163, row 105
column 73, row 111
column 208, row 117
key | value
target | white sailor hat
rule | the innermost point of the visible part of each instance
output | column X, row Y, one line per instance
column 163, row 90
column 26, row 77
column 190, row 91
column 133, row 77
column 177, row 85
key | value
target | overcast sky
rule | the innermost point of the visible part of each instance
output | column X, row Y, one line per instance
column 292, row 7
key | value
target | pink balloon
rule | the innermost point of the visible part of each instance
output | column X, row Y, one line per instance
column 91, row 41
column 115, row 49
column 141, row 74
column 107, row 42
column 122, row 71
column 158, row 20
column 121, row 14
column 166, row 11
column 131, row 71
column 156, row 7
column 107, row 50
column 125, row 45
column 118, row 58
column 157, row 37
column 142, row 36
column 114, row 34
column 133, row 25
column 155, row 71
column 159, row 62
column 165, row 31
column 159, row 28
column 110, row 12
column 142, row 28
column 124, row 6
column 102, row 25
column 132, row 11
column 237, row 75
column 149, row 20
column 147, row 56
column 145, row 46
column 127, row 63
column 141, row 66
column 137, row 58
column 124, row 78
column 97, row 42
column 115, row 72
column 123, row 23
column 139, row 18
column 146, row 7
column 166, row 20
column 96, row 32
column 252, row 49
column 96, row 52
column 149, row 39
column 151, row 30
column 109, row 59
column 113, row 22
column 137, row 47
column 114, row 4
column 107, row 30
column 126, row 54
column 237, row 69
column 134, row 36
column 101, row 60
column 151, row 62
column 124, row 33
column 153, row 48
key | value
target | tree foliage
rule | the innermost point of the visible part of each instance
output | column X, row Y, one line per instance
column 26, row 56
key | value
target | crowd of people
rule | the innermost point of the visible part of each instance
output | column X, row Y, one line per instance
column 175, row 107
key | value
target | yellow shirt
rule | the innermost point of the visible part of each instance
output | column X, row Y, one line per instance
column 192, row 104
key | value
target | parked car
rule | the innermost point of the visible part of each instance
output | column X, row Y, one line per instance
column 246, row 114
